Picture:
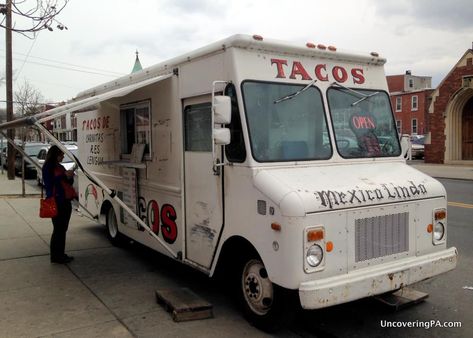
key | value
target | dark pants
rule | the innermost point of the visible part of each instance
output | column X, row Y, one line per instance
column 60, row 223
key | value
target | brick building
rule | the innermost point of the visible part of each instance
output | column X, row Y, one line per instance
column 410, row 100
column 451, row 116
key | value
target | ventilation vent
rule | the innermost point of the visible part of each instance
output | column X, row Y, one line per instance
column 381, row 236
column 261, row 207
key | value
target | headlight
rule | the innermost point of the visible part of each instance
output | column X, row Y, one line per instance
column 314, row 255
column 439, row 226
column 439, row 231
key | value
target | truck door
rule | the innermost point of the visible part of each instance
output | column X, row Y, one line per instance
column 203, row 189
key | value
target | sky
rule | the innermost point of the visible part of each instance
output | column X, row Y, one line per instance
column 427, row 37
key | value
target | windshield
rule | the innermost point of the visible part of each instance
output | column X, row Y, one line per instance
column 363, row 123
column 285, row 130
column 33, row 150
column 418, row 140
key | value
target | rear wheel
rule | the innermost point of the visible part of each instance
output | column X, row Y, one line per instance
column 112, row 228
column 267, row 306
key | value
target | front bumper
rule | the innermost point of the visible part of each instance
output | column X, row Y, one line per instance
column 375, row 280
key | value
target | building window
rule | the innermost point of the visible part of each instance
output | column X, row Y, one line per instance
column 399, row 126
column 411, row 83
column 414, row 126
column 398, row 103
column 136, row 126
column 414, row 103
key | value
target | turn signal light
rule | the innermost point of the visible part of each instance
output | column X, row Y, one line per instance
column 315, row 235
column 329, row 246
column 430, row 228
column 440, row 214
column 276, row 226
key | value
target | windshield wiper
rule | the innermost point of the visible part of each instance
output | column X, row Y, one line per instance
column 363, row 96
column 290, row 96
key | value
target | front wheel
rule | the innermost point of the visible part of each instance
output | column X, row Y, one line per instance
column 267, row 306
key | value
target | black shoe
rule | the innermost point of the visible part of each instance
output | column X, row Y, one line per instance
column 68, row 258
column 63, row 260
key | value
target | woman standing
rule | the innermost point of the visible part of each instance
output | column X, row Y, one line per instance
column 58, row 183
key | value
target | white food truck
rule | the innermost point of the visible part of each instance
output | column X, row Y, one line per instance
column 279, row 162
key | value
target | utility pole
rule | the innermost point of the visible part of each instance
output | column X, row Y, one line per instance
column 9, row 81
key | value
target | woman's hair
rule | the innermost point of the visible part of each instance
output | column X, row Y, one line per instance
column 53, row 154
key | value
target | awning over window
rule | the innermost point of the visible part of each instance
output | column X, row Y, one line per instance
column 80, row 104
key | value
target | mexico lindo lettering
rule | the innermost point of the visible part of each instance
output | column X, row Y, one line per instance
column 331, row 198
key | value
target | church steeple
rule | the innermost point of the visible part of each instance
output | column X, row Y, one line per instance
column 137, row 66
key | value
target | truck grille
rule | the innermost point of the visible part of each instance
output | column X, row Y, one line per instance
column 381, row 236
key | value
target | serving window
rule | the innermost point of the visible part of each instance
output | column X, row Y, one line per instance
column 136, row 126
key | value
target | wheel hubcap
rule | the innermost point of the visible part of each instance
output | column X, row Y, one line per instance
column 257, row 288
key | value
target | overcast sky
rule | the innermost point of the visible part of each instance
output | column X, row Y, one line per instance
column 425, row 36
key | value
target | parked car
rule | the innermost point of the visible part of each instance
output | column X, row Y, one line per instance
column 68, row 163
column 4, row 153
column 417, row 146
column 3, row 157
column 31, row 149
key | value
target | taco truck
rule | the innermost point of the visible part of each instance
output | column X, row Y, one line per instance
column 278, row 162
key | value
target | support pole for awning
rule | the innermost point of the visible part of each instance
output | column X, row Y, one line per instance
column 38, row 119
column 35, row 163
column 107, row 190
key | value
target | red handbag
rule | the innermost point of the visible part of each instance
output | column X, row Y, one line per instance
column 47, row 207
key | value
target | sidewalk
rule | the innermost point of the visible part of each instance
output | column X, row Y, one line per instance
column 106, row 291
column 461, row 172
column 12, row 188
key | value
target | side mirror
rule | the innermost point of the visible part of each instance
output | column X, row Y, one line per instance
column 222, row 109
column 221, row 136
column 406, row 146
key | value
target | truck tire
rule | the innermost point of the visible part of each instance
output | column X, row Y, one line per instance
column 115, row 237
column 267, row 306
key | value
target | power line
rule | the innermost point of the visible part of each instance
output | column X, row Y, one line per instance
column 27, row 55
column 70, row 64
column 65, row 68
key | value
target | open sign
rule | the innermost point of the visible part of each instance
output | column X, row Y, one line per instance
column 362, row 122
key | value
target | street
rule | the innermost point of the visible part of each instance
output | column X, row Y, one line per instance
column 110, row 291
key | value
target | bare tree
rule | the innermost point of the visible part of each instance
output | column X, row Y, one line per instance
column 39, row 15
column 28, row 99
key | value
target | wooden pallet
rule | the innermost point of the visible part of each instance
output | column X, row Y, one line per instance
column 402, row 298
column 183, row 304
